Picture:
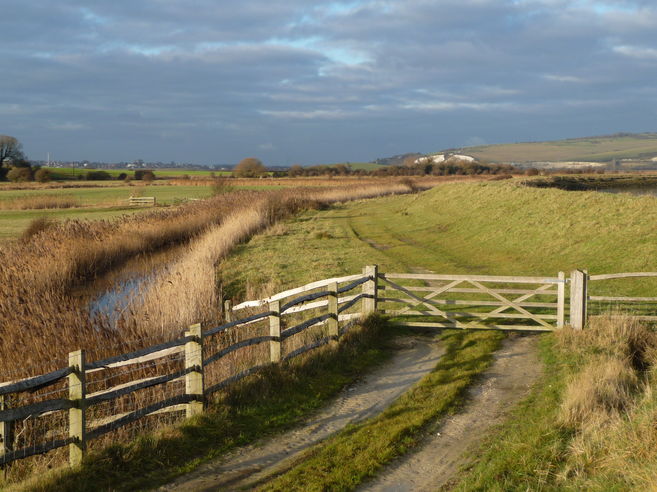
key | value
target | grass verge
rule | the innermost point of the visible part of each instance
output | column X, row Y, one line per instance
column 261, row 405
column 356, row 453
column 588, row 425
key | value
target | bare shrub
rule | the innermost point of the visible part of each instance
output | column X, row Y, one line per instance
column 220, row 186
column 37, row 226
column 410, row 184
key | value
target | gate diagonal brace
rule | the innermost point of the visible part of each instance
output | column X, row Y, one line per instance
column 422, row 300
column 433, row 294
column 513, row 304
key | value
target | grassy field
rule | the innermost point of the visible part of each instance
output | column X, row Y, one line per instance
column 595, row 149
column 501, row 228
column 93, row 203
column 495, row 228
column 71, row 173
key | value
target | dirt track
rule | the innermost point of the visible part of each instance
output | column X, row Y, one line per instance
column 416, row 356
column 437, row 460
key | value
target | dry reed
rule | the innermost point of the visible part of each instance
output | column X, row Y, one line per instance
column 42, row 322
column 40, row 202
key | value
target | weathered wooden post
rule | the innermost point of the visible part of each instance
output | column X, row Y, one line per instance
column 194, row 379
column 77, row 414
column 275, row 331
column 370, row 289
column 333, row 326
column 228, row 310
column 6, row 435
column 561, row 300
column 578, row 299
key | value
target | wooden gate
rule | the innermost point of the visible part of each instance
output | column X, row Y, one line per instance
column 474, row 301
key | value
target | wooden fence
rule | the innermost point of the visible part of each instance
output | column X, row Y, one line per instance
column 320, row 311
column 193, row 349
column 142, row 200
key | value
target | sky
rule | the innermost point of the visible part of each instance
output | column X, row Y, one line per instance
column 301, row 81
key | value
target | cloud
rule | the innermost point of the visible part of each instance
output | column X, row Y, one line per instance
column 310, row 81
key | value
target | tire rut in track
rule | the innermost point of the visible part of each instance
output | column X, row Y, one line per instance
column 437, row 460
column 415, row 357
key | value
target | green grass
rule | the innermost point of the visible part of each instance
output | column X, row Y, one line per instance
column 494, row 228
column 68, row 173
column 96, row 203
column 14, row 222
column 524, row 451
column 114, row 195
column 356, row 453
column 595, row 149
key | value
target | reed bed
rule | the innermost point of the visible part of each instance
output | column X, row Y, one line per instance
column 40, row 202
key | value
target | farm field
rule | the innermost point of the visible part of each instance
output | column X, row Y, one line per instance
column 472, row 227
column 94, row 203
column 590, row 149
column 71, row 173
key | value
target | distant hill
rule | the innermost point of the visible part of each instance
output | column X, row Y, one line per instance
column 395, row 160
column 636, row 146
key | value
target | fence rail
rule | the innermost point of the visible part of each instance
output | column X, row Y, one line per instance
column 198, row 349
column 142, row 200
column 412, row 299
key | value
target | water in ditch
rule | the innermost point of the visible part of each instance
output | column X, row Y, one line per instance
column 110, row 294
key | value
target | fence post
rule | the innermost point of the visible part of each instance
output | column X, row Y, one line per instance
column 228, row 310
column 333, row 326
column 370, row 289
column 578, row 299
column 194, row 379
column 6, row 435
column 77, row 414
column 561, row 300
column 275, row 331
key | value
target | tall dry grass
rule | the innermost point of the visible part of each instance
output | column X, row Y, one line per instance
column 40, row 202
column 610, row 405
column 40, row 320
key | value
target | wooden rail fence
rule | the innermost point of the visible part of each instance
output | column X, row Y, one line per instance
column 417, row 300
column 142, row 200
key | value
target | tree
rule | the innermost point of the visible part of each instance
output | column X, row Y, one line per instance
column 249, row 168
column 98, row 176
column 144, row 174
column 295, row 170
column 11, row 151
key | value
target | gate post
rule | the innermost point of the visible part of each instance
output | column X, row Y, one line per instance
column 370, row 289
column 578, row 299
column 561, row 300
